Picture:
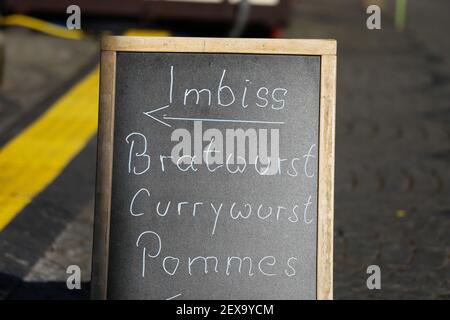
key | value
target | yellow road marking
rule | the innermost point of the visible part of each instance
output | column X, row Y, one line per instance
column 33, row 159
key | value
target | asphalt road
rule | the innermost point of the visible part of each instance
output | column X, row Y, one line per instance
column 392, row 204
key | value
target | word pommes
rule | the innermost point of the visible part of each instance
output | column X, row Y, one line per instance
column 266, row 266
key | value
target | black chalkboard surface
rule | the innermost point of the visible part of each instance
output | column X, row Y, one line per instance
column 214, row 177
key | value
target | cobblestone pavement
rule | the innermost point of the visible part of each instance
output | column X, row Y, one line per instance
column 47, row 279
column 392, row 204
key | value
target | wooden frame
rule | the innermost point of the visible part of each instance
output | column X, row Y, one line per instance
column 326, row 49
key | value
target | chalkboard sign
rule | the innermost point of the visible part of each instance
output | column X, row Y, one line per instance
column 215, row 169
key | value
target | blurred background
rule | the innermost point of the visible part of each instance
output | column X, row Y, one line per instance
column 392, row 192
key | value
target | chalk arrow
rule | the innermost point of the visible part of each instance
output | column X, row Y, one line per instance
column 150, row 114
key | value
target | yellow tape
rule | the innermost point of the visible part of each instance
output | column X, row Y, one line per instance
column 62, row 32
column 147, row 33
column 41, row 26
